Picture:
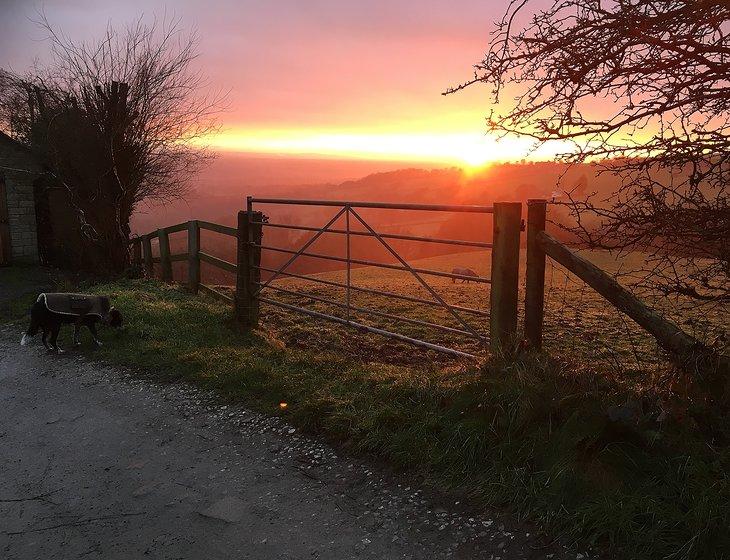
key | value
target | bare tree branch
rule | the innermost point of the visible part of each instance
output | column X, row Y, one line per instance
column 641, row 89
column 119, row 121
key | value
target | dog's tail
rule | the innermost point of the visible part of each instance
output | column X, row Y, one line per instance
column 30, row 333
column 34, row 326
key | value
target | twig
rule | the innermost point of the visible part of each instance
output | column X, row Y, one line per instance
column 31, row 499
column 75, row 523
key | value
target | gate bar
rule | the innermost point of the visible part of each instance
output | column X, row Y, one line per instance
column 360, row 326
column 294, row 254
column 478, row 279
column 413, row 271
column 378, row 313
column 385, row 205
column 349, row 262
column 378, row 292
column 385, row 235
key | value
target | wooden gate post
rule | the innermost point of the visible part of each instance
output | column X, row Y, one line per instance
column 165, row 262
column 193, row 256
column 505, row 275
column 535, row 275
column 248, row 275
column 147, row 250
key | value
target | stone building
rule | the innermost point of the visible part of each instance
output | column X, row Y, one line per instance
column 20, row 172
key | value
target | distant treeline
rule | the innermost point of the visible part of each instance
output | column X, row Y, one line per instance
column 501, row 182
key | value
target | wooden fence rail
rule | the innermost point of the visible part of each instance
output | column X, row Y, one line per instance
column 246, row 304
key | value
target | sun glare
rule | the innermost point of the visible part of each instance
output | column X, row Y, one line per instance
column 471, row 150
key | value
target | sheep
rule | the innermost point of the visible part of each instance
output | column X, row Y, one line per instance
column 463, row 272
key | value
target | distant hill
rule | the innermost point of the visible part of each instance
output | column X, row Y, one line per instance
column 221, row 189
column 221, row 192
column 231, row 177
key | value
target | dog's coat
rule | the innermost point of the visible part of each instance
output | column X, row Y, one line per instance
column 52, row 310
column 77, row 304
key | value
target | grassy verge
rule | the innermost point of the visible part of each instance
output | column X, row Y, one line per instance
column 531, row 435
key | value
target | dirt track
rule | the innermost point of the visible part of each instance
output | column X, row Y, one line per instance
column 98, row 464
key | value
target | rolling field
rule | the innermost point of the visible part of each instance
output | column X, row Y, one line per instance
column 578, row 322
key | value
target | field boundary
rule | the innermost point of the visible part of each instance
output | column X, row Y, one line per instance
column 504, row 278
column 540, row 245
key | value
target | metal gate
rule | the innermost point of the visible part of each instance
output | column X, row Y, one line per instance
column 503, row 280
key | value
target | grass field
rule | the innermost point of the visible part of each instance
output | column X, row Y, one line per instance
column 579, row 323
column 535, row 435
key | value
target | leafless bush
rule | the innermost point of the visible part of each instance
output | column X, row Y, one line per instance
column 641, row 89
column 118, row 121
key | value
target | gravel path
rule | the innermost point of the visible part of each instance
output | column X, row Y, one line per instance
column 98, row 464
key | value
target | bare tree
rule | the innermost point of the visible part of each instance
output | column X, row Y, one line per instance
column 118, row 121
column 640, row 88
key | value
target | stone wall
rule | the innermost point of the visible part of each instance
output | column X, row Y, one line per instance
column 19, row 170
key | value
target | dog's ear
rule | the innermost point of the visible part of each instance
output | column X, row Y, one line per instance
column 115, row 318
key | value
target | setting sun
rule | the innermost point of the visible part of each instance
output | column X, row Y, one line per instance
column 470, row 149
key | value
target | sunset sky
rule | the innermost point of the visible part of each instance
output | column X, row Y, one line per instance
column 328, row 77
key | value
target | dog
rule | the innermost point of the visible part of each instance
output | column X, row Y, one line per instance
column 50, row 311
column 463, row 272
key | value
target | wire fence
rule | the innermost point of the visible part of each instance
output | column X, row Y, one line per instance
column 581, row 325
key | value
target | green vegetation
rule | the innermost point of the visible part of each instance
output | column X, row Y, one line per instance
column 578, row 322
column 532, row 435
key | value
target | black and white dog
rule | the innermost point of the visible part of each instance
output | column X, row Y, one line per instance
column 50, row 311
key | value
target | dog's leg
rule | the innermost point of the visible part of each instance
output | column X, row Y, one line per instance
column 54, row 339
column 27, row 335
column 44, row 338
column 92, row 329
column 26, row 339
column 77, row 331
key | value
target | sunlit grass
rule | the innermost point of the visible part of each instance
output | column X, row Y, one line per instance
column 531, row 435
column 579, row 323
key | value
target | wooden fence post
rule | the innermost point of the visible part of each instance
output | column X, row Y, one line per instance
column 193, row 256
column 165, row 262
column 535, row 275
column 147, row 250
column 248, row 276
column 505, row 275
